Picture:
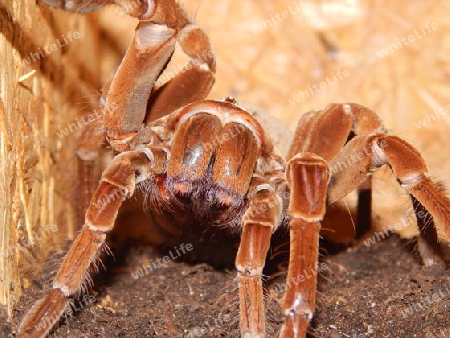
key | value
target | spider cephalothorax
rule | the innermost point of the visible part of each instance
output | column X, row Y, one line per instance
column 209, row 167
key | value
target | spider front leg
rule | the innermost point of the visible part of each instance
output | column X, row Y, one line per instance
column 259, row 222
column 161, row 26
column 307, row 175
column 118, row 181
column 319, row 137
column 407, row 165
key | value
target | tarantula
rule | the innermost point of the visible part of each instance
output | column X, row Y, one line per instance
column 209, row 166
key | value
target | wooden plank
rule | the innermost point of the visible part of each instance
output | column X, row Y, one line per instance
column 49, row 63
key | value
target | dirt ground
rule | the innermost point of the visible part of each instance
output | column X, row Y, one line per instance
column 363, row 292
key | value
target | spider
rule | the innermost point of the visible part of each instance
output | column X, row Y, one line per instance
column 209, row 167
